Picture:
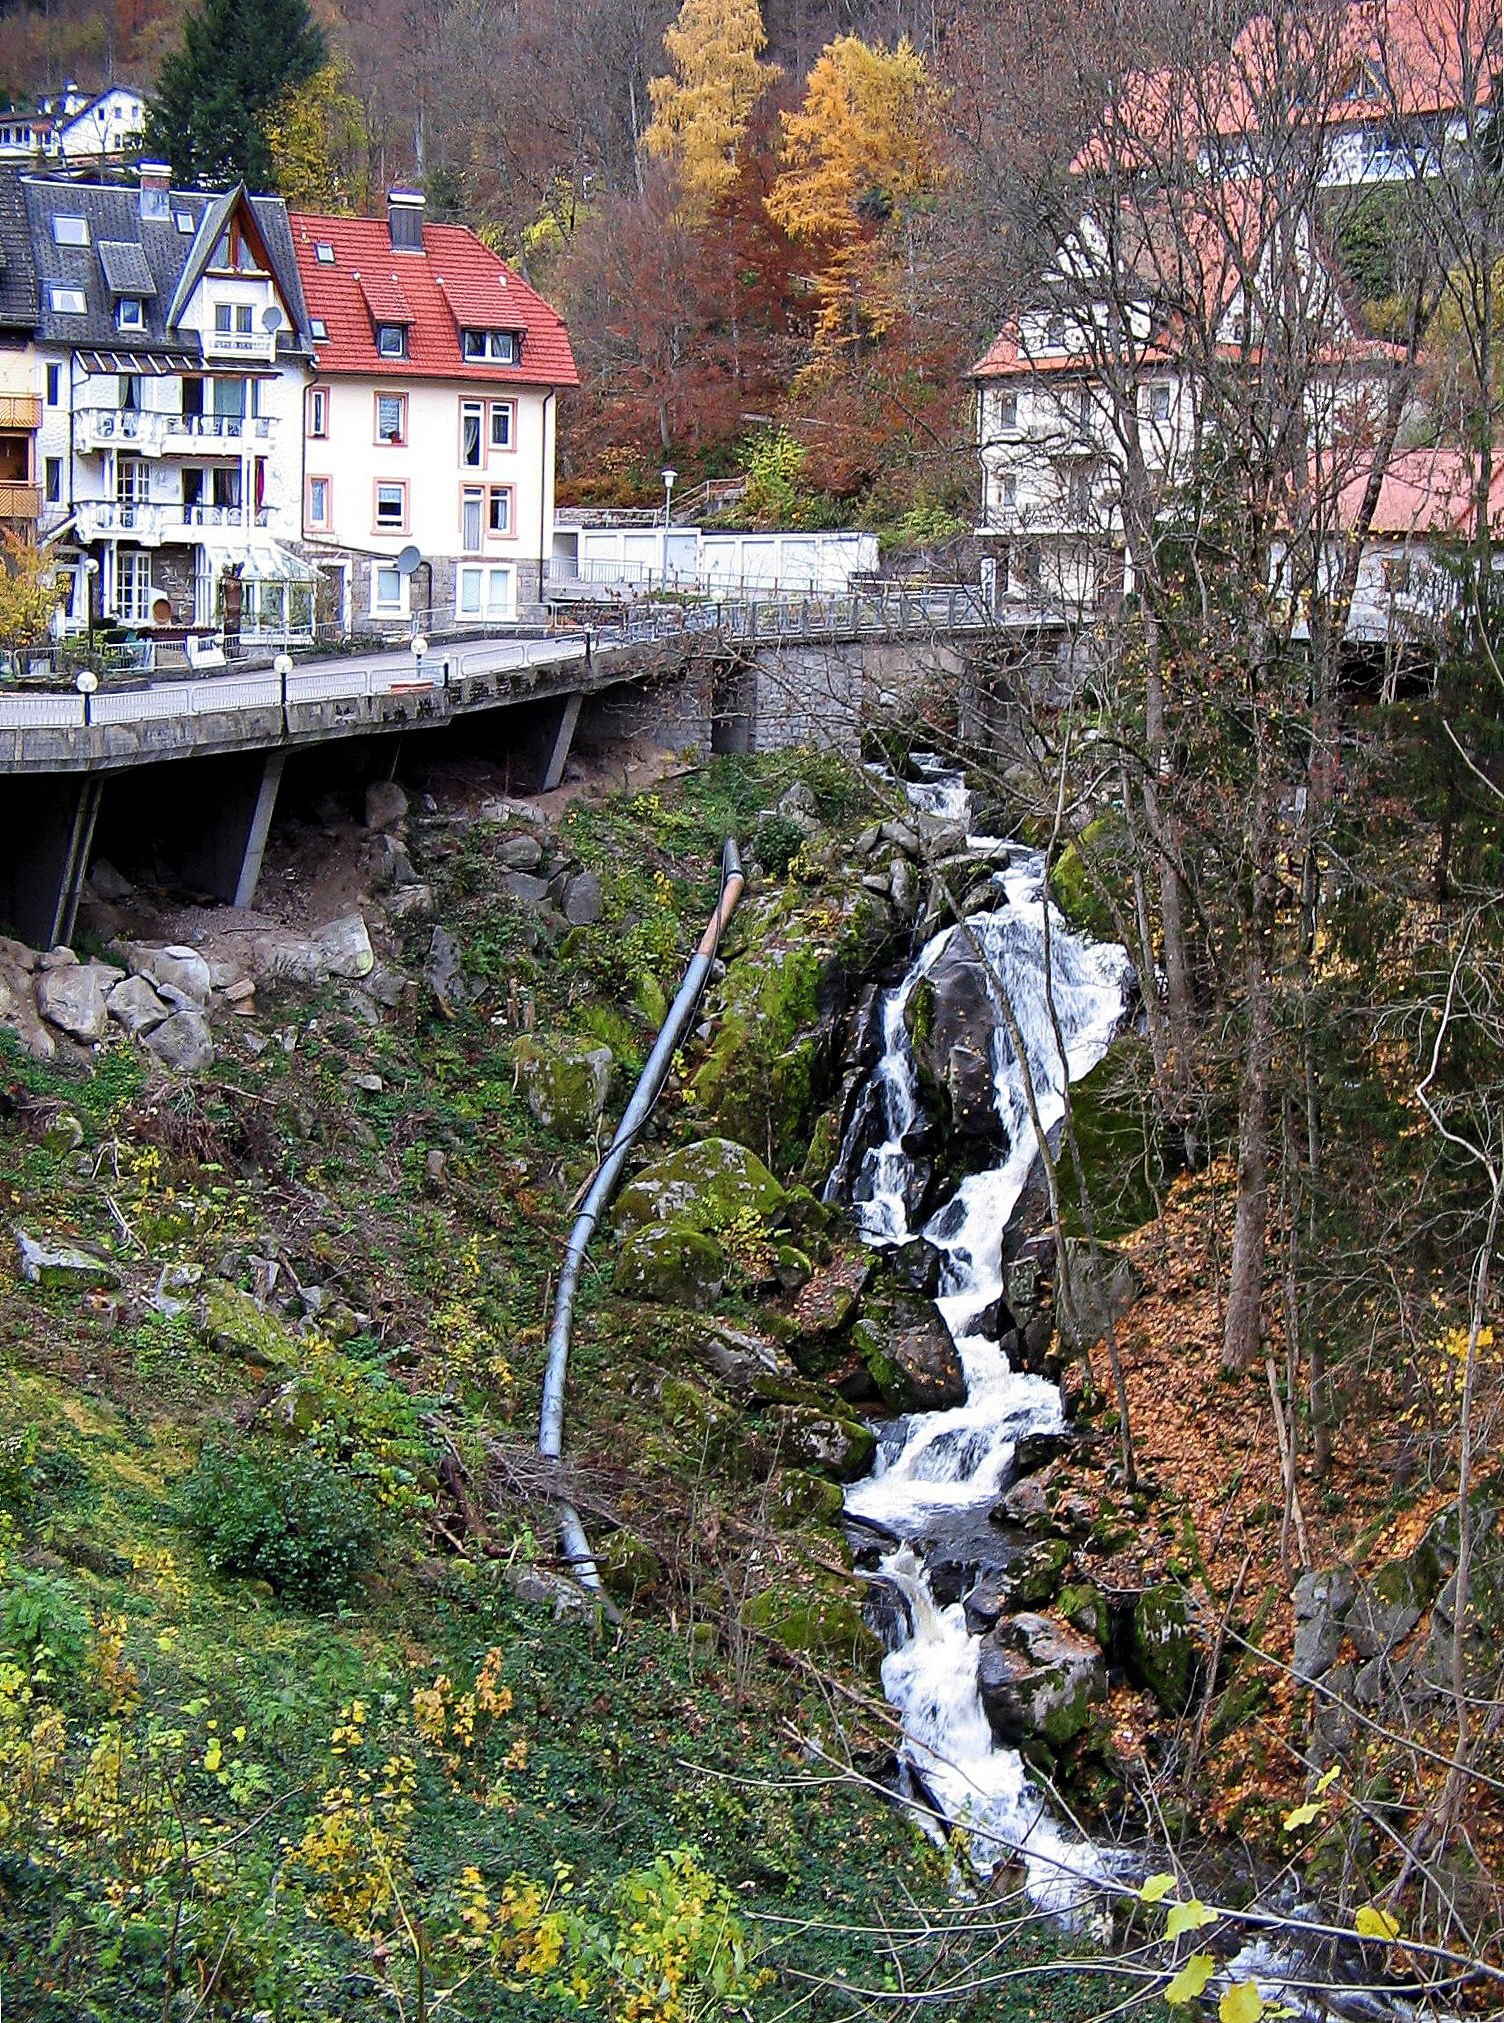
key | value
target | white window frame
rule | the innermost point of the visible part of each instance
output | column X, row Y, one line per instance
column 473, row 410
column 130, row 313
column 473, row 503
column 69, row 230
column 485, row 590
column 67, row 301
column 322, row 522
column 391, row 340
column 133, row 586
column 318, row 411
column 388, row 572
column 382, row 526
column 504, row 411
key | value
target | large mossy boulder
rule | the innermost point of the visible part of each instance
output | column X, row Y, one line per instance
column 774, row 1057
column 818, row 1621
column 231, row 1322
column 565, row 1085
column 824, row 1442
column 672, row 1264
column 710, row 1185
column 952, row 1020
column 1038, row 1681
column 1162, row 1647
column 909, row 1354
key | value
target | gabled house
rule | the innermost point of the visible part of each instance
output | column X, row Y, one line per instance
column 77, row 129
column 430, row 423
column 1096, row 402
column 172, row 340
column 20, row 407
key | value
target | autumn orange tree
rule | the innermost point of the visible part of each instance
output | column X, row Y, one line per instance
column 701, row 109
column 860, row 157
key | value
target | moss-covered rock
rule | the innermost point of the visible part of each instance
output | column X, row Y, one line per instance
column 909, row 1353
column 708, row 1186
column 816, row 1622
column 1085, row 1609
column 827, row 1442
column 231, row 1322
column 628, row 1566
column 799, row 1498
column 565, row 1085
column 1161, row 1647
column 1038, row 1681
column 1073, row 890
column 673, row 1264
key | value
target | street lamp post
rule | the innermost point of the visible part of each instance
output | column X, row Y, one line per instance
column 668, row 501
column 419, row 649
column 86, row 683
column 91, row 571
column 282, row 668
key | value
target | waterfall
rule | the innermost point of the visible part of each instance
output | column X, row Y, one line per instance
column 957, row 1460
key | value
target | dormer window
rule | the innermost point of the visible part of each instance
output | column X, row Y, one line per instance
column 391, row 340
column 499, row 346
column 129, row 314
column 69, row 231
column 234, row 253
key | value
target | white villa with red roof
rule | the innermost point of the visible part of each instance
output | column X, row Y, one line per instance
column 429, row 422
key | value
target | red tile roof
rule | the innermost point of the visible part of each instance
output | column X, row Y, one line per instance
column 454, row 283
column 1375, row 61
column 1425, row 492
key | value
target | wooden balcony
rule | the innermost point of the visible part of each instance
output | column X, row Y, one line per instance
column 20, row 502
column 21, row 411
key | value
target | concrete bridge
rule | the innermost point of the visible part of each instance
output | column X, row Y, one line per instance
column 211, row 751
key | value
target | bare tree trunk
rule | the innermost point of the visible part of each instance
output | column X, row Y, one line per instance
column 1243, row 1324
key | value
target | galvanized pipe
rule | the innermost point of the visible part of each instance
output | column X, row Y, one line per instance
column 608, row 1173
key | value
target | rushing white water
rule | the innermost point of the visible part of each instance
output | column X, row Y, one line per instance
column 955, row 1460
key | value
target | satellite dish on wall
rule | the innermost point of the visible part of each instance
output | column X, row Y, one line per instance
column 271, row 317
column 409, row 559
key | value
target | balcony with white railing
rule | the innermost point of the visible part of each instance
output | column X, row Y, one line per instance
column 119, row 519
column 196, row 435
column 257, row 345
column 119, row 428
column 188, row 518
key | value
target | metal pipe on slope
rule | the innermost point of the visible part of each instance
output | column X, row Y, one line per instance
column 608, row 1173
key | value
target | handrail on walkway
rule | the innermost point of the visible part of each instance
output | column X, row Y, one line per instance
column 808, row 620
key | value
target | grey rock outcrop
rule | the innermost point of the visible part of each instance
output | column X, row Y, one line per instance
column 386, row 805
column 62, row 1266
column 176, row 968
column 73, row 1000
column 1038, row 1680
column 342, row 949
column 134, row 1005
column 182, row 1043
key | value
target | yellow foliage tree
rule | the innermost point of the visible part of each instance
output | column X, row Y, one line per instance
column 320, row 146
column 700, row 111
column 859, row 157
column 29, row 592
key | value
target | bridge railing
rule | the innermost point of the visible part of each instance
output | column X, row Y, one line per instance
column 808, row 619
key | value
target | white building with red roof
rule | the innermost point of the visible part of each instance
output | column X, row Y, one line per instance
column 429, row 422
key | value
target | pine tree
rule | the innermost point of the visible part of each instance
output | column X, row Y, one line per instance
column 700, row 112
column 216, row 94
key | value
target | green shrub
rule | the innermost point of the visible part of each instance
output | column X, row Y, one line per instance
column 281, row 1514
column 776, row 844
column 43, row 1626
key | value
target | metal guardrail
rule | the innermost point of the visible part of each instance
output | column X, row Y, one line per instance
column 804, row 620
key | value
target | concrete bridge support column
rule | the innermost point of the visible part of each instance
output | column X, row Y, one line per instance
column 224, row 836
column 46, row 833
column 558, row 752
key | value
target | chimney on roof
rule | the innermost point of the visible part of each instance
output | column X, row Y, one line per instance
column 404, row 218
column 156, row 184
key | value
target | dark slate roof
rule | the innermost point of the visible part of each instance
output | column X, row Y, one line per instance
column 126, row 270
column 18, row 273
column 167, row 253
